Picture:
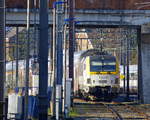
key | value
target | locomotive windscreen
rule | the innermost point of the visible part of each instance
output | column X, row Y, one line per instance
column 102, row 64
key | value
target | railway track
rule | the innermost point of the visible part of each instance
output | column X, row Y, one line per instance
column 132, row 110
column 116, row 115
column 124, row 111
column 110, row 111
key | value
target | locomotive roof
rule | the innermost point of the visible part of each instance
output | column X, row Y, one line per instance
column 105, row 56
column 90, row 52
column 78, row 56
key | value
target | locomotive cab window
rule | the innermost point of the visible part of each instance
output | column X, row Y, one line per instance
column 102, row 64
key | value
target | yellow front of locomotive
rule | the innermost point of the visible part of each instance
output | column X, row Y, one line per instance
column 102, row 71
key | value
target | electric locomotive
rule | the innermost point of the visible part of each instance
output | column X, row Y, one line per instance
column 96, row 75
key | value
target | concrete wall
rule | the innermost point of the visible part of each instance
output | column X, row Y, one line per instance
column 146, row 67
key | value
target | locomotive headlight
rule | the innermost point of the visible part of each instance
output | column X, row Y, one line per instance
column 89, row 81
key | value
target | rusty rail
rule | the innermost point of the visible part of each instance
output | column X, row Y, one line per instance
column 147, row 117
column 139, row 112
column 117, row 116
column 120, row 110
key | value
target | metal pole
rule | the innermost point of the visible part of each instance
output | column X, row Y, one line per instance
column 124, row 72
column 35, row 40
column 140, row 82
column 12, row 77
column 65, row 58
column 59, row 52
column 53, row 82
column 59, row 38
column 27, row 62
column 71, row 46
column 43, row 60
column 65, row 68
column 2, row 57
column 124, row 65
column 128, row 60
column 17, row 51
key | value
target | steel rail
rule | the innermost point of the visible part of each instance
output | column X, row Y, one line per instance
column 113, row 109
column 139, row 112
column 147, row 117
column 117, row 116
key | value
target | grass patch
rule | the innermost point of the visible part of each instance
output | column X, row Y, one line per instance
column 73, row 113
column 49, row 111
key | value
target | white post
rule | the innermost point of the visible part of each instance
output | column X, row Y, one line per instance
column 68, row 96
column 58, row 100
